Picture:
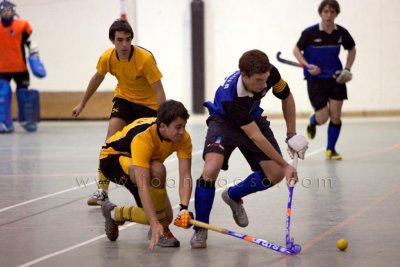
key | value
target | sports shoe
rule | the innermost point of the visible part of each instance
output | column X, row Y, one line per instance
column 199, row 238
column 98, row 198
column 311, row 130
column 168, row 240
column 239, row 213
column 333, row 155
column 111, row 226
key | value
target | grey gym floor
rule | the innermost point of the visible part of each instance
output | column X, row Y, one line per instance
column 46, row 178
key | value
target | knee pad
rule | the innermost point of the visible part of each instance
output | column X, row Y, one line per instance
column 6, row 122
column 28, row 108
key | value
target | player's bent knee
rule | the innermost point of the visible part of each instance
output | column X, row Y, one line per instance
column 158, row 174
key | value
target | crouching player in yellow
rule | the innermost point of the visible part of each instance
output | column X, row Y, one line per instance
column 134, row 158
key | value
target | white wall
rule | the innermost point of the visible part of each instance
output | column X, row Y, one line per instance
column 73, row 33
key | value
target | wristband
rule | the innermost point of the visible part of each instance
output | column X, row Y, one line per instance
column 183, row 207
column 289, row 135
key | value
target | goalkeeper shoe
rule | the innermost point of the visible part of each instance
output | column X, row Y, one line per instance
column 98, row 198
column 199, row 238
column 239, row 213
column 311, row 130
column 111, row 226
column 333, row 155
column 168, row 240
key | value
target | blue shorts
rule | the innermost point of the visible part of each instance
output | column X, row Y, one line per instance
column 321, row 90
column 223, row 137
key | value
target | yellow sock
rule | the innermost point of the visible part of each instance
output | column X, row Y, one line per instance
column 136, row 214
column 103, row 182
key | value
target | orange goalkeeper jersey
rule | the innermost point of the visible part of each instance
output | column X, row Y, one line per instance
column 12, row 49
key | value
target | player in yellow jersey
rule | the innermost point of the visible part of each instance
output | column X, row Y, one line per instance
column 138, row 93
column 134, row 158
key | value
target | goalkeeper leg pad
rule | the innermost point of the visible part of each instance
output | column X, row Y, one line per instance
column 28, row 108
column 6, row 122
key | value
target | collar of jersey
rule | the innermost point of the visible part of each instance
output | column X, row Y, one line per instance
column 322, row 29
column 241, row 90
column 159, row 135
column 130, row 55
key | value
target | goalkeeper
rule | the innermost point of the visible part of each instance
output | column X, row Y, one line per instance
column 15, row 37
column 134, row 157
column 318, row 48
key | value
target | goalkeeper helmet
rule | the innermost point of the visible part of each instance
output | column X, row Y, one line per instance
column 7, row 9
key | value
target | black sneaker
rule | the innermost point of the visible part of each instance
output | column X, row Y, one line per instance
column 311, row 130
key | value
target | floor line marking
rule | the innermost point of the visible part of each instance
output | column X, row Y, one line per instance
column 48, row 256
column 72, row 189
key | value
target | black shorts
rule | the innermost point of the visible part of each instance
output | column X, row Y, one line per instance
column 112, row 170
column 321, row 90
column 223, row 137
column 129, row 111
column 20, row 78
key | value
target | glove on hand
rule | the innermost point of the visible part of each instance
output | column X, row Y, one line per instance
column 343, row 76
column 297, row 144
column 183, row 219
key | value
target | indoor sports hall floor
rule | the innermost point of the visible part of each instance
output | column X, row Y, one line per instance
column 46, row 178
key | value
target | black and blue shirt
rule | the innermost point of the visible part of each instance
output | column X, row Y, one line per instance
column 322, row 49
column 234, row 102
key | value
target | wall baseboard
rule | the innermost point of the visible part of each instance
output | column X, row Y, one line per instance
column 59, row 105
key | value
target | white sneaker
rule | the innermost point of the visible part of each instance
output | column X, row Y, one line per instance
column 239, row 213
column 98, row 198
column 199, row 238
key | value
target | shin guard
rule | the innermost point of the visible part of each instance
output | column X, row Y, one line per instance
column 28, row 108
column 6, row 122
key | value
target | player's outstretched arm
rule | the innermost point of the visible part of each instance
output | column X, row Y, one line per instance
column 94, row 83
column 158, row 90
column 141, row 177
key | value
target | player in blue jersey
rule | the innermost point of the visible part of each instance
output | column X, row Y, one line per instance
column 236, row 121
column 318, row 49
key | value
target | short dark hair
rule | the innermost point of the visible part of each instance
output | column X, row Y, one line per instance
column 119, row 26
column 254, row 62
column 170, row 110
column 332, row 3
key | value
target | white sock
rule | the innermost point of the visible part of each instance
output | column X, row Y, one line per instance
column 113, row 214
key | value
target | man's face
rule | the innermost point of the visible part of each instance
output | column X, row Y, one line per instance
column 174, row 131
column 7, row 13
column 328, row 14
column 256, row 82
column 122, row 42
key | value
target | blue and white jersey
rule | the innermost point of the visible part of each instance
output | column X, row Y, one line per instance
column 322, row 49
column 234, row 102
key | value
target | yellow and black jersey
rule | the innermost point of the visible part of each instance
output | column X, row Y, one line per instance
column 134, row 75
column 142, row 141
column 12, row 49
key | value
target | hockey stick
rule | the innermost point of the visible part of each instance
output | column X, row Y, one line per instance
column 288, row 62
column 290, row 249
column 122, row 6
column 290, row 241
column 248, row 238
column 297, row 64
